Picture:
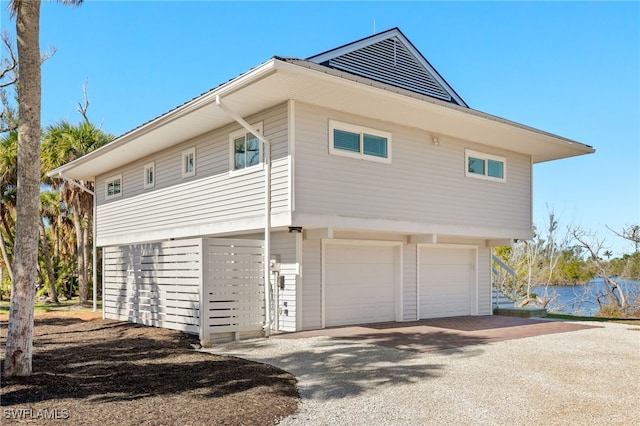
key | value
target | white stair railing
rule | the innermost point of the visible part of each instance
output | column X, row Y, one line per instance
column 503, row 282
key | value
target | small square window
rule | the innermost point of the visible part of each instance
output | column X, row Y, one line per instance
column 149, row 175
column 245, row 149
column 113, row 187
column 189, row 162
column 485, row 166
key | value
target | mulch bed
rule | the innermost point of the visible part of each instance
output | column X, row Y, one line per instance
column 113, row 373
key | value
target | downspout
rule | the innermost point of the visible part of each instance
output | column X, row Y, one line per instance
column 267, row 210
column 94, row 260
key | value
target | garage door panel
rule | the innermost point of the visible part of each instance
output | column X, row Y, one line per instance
column 359, row 284
column 447, row 278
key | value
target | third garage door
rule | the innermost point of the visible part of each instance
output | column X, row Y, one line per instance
column 446, row 281
column 360, row 282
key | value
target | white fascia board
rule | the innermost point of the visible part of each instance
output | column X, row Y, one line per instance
column 208, row 98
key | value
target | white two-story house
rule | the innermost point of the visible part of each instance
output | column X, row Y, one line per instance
column 373, row 189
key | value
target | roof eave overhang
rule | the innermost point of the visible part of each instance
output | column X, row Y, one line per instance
column 439, row 118
column 279, row 80
column 164, row 131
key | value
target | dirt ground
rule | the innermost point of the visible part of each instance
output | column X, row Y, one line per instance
column 90, row 371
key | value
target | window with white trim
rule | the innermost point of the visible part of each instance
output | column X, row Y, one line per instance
column 189, row 162
column 245, row 148
column 359, row 142
column 485, row 166
column 113, row 187
column 149, row 175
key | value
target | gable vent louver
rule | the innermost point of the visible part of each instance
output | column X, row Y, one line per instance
column 388, row 61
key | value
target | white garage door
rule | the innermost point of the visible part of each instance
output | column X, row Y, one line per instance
column 360, row 283
column 447, row 281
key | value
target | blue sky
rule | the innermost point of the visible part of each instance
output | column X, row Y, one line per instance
column 570, row 68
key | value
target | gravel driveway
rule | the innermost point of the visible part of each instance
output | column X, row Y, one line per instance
column 586, row 377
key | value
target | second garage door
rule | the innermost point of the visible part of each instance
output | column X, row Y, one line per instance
column 360, row 282
column 446, row 281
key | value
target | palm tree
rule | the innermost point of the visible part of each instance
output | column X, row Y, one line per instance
column 64, row 142
column 19, row 344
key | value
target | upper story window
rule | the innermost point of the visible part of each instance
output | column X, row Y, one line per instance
column 149, row 175
column 359, row 142
column 245, row 148
column 189, row 162
column 485, row 166
column 113, row 187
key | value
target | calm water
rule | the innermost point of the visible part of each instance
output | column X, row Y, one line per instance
column 583, row 299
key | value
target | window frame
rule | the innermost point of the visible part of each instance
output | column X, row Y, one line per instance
column 149, row 166
column 361, row 130
column 111, row 180
column 184, row 161
column 468, row 153
column 232, row 150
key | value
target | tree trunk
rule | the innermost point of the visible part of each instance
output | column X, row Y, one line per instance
column 19, row 345
column 53, row 294
column 81, row 268
column 618, row 299
column 86, row 244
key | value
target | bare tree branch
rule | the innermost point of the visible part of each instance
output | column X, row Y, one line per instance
column 630, row 233
column 9, row 67
column 9, row 76
column 47, row 54
column 82, row 108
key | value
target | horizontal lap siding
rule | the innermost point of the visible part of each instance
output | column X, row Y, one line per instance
column 154, row 284
column 484, row 281
column 283, row 244
column 424, row 183
column 208, row 200
column 312, row 285
column 212, row 196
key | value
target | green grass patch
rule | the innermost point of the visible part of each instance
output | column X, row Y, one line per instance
column 43, row 306
column 598, row 319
